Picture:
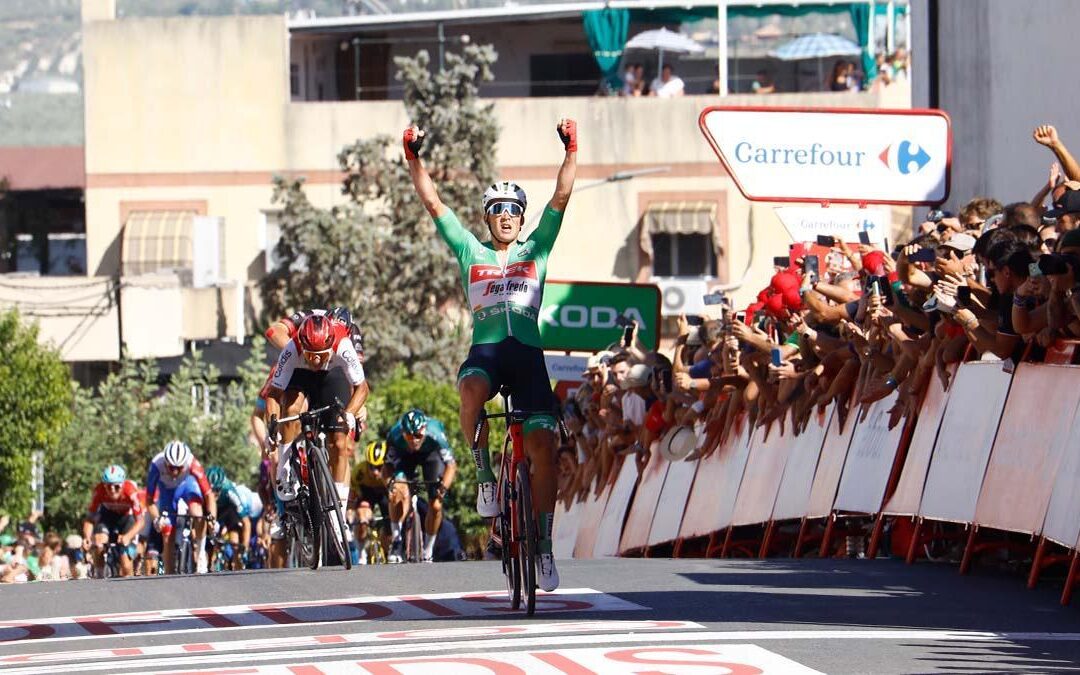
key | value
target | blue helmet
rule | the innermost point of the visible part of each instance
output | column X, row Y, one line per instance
column 113, row 474
column 217, row 478
column 414, row 422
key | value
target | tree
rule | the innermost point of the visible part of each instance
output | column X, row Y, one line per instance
column 378, row 253
column 401, row 391
column 130, row 418
column 35, row 395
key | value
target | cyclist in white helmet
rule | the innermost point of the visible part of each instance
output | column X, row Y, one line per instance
column 175, row 474
column 504, row 284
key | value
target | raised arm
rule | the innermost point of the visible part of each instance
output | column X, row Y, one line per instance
column 412, row 139
column 564, row 182
column 1047, row 135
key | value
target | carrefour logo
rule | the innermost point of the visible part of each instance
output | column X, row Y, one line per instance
column 905, row 157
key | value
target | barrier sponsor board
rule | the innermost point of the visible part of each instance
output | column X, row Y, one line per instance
column 672, row 503
column 716, row 485
column 607, row 540
column 1029, row 447
column 1062, row 524
column 805, row 223
column 830, row 465
column 563, row 368
column 869, row 460
column 565, row 529
column 794, row 494
column 581, row 315
column 909, row 489
column 592, row 513
column 761, row 477
column 635, row 534
column 833, row 154
column 964, row 442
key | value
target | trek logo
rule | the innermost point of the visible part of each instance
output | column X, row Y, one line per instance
column 579, row 316
column 525, row 269
column 901, row 156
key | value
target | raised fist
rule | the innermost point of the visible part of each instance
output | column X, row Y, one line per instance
column 412, row 139
column 1045, row 134
column 567, row 130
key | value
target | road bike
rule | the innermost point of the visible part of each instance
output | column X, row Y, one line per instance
column 414, row 543
column 515, row 529
column 315, row 521
column 184, row 553
column 372, row 543
column 111, row 562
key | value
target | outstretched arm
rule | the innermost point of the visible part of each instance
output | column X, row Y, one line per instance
column 412, row 139
column 564, row 183
column 1047, row 135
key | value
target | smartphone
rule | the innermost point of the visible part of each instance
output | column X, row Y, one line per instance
column 622, row 321
column 740, row 316
column 935, row 215
column 627, row 336
column 694, row 320
column 781, row 261
column 963, row 294
column 665, row 380
column 716, row 298
column 864, row 237
column 825, row 240
column 777, row 357
column 924, row 255
column 1034, row 270
column 810, row 264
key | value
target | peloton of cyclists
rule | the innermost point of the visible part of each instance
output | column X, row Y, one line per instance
column 237, row 508
column 115, row 515
column 418, row 441
column 174, row 476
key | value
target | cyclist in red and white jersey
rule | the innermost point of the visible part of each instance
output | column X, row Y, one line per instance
column 318, row 368
column 115, row 514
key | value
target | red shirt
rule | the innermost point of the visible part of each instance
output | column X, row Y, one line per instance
column 124, row 502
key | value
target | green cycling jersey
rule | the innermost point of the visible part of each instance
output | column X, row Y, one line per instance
column 503, row 291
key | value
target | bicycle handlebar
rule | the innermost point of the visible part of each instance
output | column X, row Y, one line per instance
column 336, row 405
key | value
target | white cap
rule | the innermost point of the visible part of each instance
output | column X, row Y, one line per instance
column 677, row 443
column 598, row 359
column 637, row 377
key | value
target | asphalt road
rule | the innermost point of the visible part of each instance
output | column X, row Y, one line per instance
column 610, row 616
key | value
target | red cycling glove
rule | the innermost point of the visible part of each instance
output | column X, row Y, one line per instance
column 569, row 137
column 412, row 139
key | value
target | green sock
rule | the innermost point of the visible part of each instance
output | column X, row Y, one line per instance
column 547, row 525
column 484, row 474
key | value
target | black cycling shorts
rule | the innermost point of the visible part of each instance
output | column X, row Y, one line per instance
column 516, row 365
column 376, row 497
column 406, row 462
column 229, row 516
column 112, row 522
column 322, row 388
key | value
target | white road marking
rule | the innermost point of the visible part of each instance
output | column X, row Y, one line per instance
column 194, row 658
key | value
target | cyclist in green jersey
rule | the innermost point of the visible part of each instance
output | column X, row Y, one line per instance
column 504, row 284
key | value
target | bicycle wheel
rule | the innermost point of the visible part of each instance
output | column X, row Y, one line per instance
column 510, row 563
column 333, row 519
column 527, row 547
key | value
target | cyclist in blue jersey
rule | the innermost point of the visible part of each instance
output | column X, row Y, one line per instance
column 418, row 441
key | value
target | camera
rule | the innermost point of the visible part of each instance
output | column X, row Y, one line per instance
column 1057, row 263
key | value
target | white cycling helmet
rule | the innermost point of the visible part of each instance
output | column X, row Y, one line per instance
column 177, row 453
column 504, row 191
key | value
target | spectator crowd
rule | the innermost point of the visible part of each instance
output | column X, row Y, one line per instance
column 28, row 555
column 845, row 323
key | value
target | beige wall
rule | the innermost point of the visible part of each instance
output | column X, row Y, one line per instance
column 198, row 111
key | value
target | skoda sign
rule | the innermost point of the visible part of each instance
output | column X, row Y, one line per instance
column 585, row 316
column 833, row 155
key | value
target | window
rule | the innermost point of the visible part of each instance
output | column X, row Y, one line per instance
column 683, row 255
column 294, row 80
column 573, row 74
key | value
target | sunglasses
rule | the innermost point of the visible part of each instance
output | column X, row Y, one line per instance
column 498, row 208
column 114, row 487
column 413, row 437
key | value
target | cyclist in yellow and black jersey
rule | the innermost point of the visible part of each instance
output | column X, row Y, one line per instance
column 367, row 489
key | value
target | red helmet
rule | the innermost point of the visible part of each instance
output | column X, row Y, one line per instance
column 316, row 333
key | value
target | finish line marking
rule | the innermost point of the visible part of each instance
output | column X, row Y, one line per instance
column 423, row 635
column 490, row 656
column 364, row 608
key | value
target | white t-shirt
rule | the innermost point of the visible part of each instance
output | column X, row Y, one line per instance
column 633, row 409
column 344, row 357
column 671, row 88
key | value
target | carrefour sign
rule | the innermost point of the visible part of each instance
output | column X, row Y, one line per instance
column 585, row 316
column 833, row 155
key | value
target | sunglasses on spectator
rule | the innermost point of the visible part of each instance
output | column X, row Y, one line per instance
column 498, row 208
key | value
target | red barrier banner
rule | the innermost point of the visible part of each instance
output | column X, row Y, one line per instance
column 905, row 500
column 592, row 513
column 1062, row 524
column 673, row 498
column 1060, row 353
column 964, row 442
column 607, row 543
column 635, row 534
column 761, row 478
column 1030, row 444
column 869, row 461
column 564, row 531
column 716, row 485
column 830, row 465
column 794, row 494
